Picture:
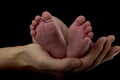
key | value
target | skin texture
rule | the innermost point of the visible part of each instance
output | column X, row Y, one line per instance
column 33, row 57
column 99, row 53
column 54, row 36
column 46, row 31
column 79, row 37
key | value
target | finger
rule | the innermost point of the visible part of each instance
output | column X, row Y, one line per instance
column 92, row 54
column 112, row 52
column 104, row 52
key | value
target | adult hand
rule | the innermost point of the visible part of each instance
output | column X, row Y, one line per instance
column 40, row 60
column 99, row 53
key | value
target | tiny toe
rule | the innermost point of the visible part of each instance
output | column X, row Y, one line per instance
column 32, row 32
column 79, row 20
column 88, row 29
column 37, row 18
column 90, row 35
column 87, row 23
column 32, row 27
column 87, row 40
column 34, row 23
column 46, row 15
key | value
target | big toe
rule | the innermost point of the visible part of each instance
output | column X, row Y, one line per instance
column 46, row 15
column 79, row 20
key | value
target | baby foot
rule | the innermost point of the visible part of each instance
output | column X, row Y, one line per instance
column 79, row 37
column 46, row 31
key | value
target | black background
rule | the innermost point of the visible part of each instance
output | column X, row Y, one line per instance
column 16, row 17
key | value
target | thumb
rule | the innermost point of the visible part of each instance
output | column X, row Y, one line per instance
column 63, row 65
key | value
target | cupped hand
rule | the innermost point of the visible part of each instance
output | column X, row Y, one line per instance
column 40, row 60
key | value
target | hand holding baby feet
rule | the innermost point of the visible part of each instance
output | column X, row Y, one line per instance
column 51, row 34
column 79, row 37
column 46, row 31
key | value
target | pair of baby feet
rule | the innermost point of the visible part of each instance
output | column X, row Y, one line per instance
column 54, row 36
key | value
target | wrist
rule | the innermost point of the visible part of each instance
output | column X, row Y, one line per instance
column 13, row 57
